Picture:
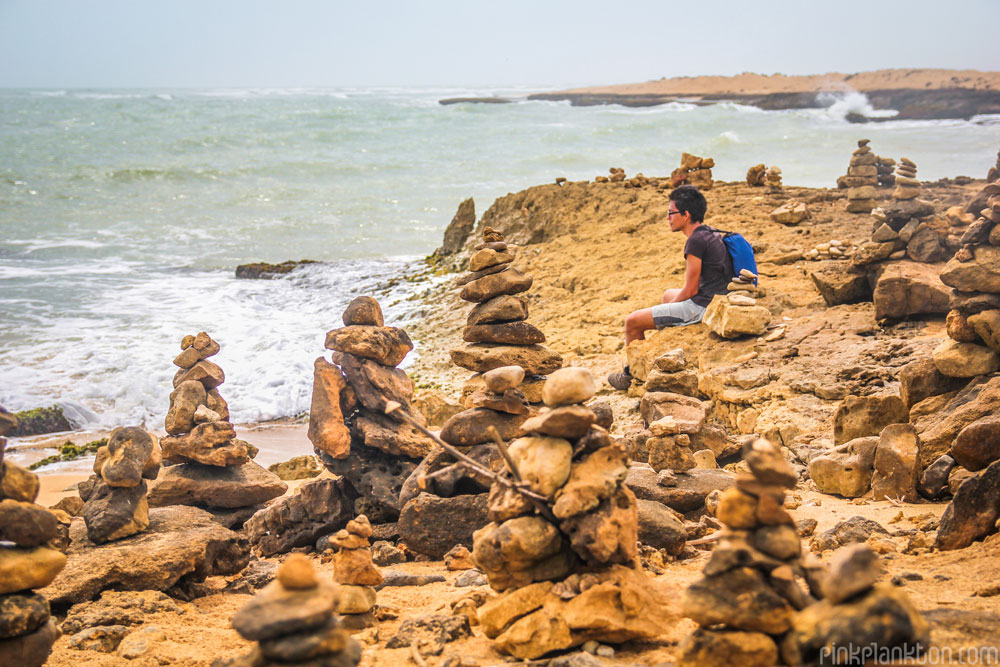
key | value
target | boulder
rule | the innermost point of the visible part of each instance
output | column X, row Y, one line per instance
column 980, row 274
column 934, row 481
column 965, row 360
column 973, row 512
column 482, row 357
column 211, row 486
column 317, row 508
column 661, row 527
column 938, row 430
column 731, row 321
column 861, row 416
column 384, row 345
column 791, row 212
column 727, row 648
column 432, row 526
column 112, row 513
column 846, row 471
column 327, row 430
column 902, row 289
column 471, row 427
column 921, row 379
column 897, row 464
column 976, row 446
column 687, row 495
column 458, row 230
column 181, row 544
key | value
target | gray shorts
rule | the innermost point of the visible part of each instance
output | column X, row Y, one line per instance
column 677, row 314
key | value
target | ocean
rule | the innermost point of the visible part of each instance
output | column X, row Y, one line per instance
column 124, row 214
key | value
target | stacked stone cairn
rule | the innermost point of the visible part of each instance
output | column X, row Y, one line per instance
column 497, row 333
column 972, row 349
column 356, row 574
column 746, row 602
column 213, row 467
column 695, row 171
column 293, row 620
column 755, row 175
column 352, row 435
column 907, row 185
column 994, row 173
column 737, row 314
column 855, row 611
column 565, row 565
column 115, row 503
column 886, row 167
column 861, row 179
column 27, row 561
column 772, row 178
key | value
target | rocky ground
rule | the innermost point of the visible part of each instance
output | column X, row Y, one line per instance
column 597, row 251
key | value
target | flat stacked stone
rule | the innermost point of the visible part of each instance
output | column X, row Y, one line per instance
column 886, row 167
column 772, row 178
column 356, row 574
column 749, row 594
column 497, row 332
column 27, row 561
column 695, row 171
column 115, row 503
column 351, row 434
column 861, row 179
column 293, row 621
column 672, row 372
column 583, row 536
column 213, row 470
column 856, row 610
column 907, row 185
column 737, row 314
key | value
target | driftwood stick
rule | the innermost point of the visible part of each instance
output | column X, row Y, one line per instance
column 502, row 446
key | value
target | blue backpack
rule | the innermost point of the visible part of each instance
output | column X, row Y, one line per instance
column 741, row 252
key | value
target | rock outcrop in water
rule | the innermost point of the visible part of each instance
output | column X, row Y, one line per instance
column 213, row 468
column 27, row 561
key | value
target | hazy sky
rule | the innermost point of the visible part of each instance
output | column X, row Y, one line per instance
column 206, row 43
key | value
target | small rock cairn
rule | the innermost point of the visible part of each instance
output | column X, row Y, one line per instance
column 755, row 175
column 861, row 179
column 772, row 179
column 886, row 167
column 348, row 427
column 695, row 171
column 907, row 185
column 293, row 620
column 751, row 582
column 993, row 174
column 855, row 611
column 580, row 517
column 737, row 314
column 214, row 470
column 356, row 574
column 497, row 333
column 115, row 503
column 27, row 561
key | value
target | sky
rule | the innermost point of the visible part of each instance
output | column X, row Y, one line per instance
column 305, row 43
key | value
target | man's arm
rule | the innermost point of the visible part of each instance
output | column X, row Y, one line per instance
column 692, row 276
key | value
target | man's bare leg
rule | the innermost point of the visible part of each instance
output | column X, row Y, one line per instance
column 637, row 324
column 671, row 294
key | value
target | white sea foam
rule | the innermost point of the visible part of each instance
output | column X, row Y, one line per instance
column 839, row 105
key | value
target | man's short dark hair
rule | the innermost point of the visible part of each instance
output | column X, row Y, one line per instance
column 689, row 199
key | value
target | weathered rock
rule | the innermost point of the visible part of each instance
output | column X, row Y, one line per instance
column 503, row 308
column 739, row 599
column 355, row 567
column 18, row 483
column 521, row 551
column 431, row 476
column 791, row 213
column 973, row 512
column 101, row 638
column 591, row 480
column 180, row 543
column 543, row 462
column 22, row 613
column 688, row 412
column 297, row 467
column 22, row 569
column 506, row 333
column 482, row 357
column 327, row 430
column 661, row 527
column 921, row 379
column 31, row 650
column 870, row 252
column 435, row 406
column 688, row 494
column 384, row 345
column 471, row 427
column 897, row 463
column 511, row 401
column 373, row 479
column 276, row 611
column 987, row 326
column 129, row 454
column 118, row 608
column 26, row 524
column 112, row 513
column 459, row 228
column 665, row 453
column 205, row 372
column 567, row 386
column 356, row 599
column 487, row 257
column 970, row 303
column 211, row 443
column 608, row 534
column 848, row 531
column 430, row 631
column 902, row 289
column 372, row 383
column 846, row 471
column 861, row 416
column 319, row 507
column 727, row 648
column 507, row 282
column 767, row 463
column 731, row 321
column 504, row 378
column 981, row 274
column 681, row 382
column 364, row 311
column 213, row 486
column 853, row 569
column 383, row 433
column 934, row 481
column 965, row 360
column 432, row 526
column 567, row 421
column 939, row 429
column 184, row 402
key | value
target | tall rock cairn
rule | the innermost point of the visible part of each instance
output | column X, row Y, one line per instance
column 750, row 592
column 498, row 333
column 214, row 468
column 348, row 427
column 293, row 621
column 356, row 574
column 907, row 185
column 27, row 561
column 587, row 522
column 115, row 503
column 861, row 179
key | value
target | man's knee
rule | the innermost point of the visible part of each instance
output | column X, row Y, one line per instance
column 638, row 321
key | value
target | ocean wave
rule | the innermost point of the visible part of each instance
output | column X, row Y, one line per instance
column 839, row 105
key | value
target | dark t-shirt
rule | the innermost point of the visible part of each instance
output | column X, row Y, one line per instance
column 716, row 265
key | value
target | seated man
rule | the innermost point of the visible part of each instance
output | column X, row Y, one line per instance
column 709, row 269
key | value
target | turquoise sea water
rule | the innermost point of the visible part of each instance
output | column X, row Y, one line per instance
column 124, row 213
